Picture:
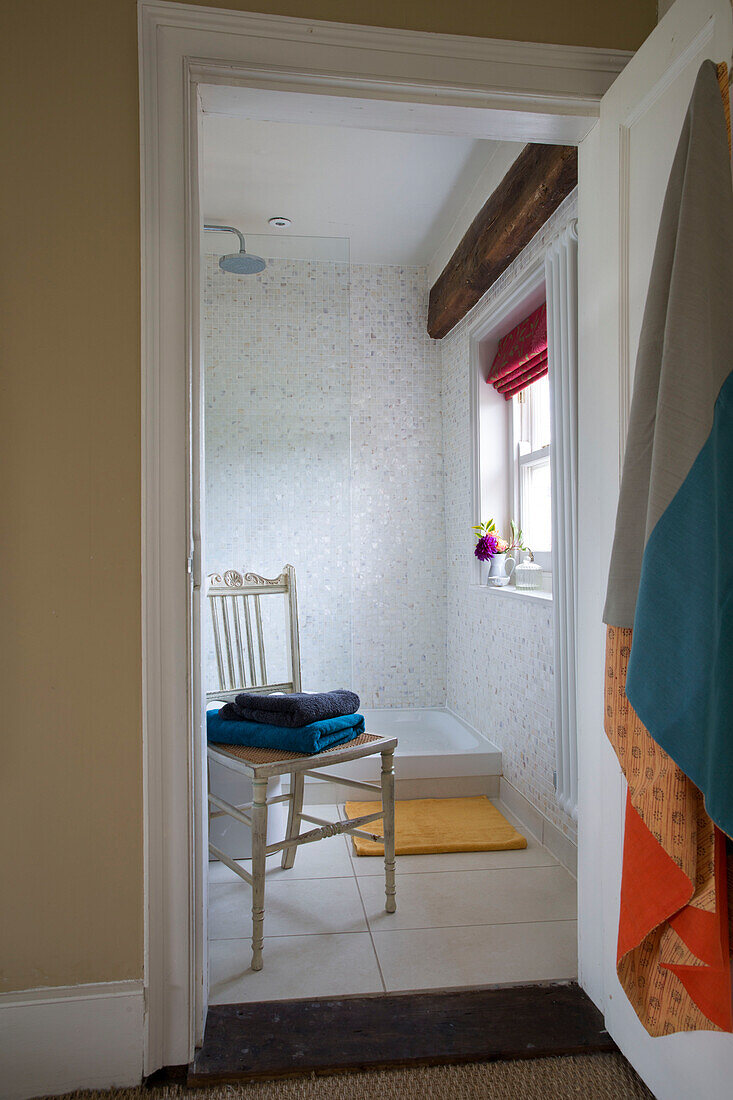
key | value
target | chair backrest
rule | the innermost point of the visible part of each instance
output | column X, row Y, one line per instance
column 239, row 639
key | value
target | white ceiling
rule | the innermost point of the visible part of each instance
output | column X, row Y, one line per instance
column 399, row 198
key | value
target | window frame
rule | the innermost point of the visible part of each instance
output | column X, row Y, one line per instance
column 518, row 462
column 491, row 321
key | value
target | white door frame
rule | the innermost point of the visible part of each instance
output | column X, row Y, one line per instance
column 432, row 83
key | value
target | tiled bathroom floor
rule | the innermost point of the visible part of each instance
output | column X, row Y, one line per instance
column 467, row 919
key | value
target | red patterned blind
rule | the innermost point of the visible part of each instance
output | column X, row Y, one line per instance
column 521, row 356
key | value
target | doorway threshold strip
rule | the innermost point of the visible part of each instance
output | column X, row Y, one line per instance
column 273, row 1039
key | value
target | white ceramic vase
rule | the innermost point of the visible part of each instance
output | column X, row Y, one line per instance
column 498, row 574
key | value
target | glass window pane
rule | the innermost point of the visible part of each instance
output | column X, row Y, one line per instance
column 539, row 395
column 536, row 505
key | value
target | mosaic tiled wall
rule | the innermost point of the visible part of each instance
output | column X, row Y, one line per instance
column 277, row 392
column 500, row 647
column 398, row 520
column 324, row 449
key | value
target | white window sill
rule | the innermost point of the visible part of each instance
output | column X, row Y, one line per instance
column 515, row 593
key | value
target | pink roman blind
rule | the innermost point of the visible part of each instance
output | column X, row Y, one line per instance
column 521, row 357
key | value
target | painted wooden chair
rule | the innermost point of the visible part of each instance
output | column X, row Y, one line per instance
column 235, row 602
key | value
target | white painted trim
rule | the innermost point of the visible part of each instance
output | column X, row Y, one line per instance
column 493, row 89
column 487, row 317
column 551, row 64
column 561, row 277
column 54, row 1040
column 541, row 594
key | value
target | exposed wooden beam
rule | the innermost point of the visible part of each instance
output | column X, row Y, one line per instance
column 535, row 185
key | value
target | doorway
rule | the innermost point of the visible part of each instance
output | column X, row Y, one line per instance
column 515, row 106
column 470, row 114
column 330, row 422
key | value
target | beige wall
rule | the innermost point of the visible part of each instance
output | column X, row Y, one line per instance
column 622, row 24
column 69, row 431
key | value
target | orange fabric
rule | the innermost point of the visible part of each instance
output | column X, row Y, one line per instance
column 673, row 945
column 664, row 887
column 676, row 917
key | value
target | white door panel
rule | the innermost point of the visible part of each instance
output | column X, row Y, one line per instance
column 624, row 166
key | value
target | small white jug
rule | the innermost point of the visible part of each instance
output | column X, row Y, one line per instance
column 498, row 573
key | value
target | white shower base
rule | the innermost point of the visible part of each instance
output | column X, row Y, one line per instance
column 438, row 755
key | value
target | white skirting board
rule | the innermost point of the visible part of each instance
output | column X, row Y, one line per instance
column 560, row 846
column 56, row 1040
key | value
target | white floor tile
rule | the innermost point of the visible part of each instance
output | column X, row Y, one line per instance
column 291, row 908
column 463, row 919
column 294, row 966
column 323, row 859
column 444, row 899
column 443, row 959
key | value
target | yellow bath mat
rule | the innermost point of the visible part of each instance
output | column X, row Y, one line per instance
column 424, row 826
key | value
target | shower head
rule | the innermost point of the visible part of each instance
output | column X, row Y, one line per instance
column 242, row 263
column 238, row 263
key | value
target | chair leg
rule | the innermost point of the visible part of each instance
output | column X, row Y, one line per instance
column 259, row 855
column 390, row 904
column 295, row 807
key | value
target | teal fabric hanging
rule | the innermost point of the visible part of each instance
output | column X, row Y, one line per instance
column 671, row 574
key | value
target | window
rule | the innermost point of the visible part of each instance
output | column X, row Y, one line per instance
column 508, row 349
column 531, row 461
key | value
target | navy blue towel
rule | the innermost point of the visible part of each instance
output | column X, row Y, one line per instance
column 291, row 711
column 306, row 739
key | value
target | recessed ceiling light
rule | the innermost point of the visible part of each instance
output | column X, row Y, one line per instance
column 279, row 223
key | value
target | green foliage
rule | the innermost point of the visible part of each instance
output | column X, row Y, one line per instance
column 517, row 542
column 481, row 529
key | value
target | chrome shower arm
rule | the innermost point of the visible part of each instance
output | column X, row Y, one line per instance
column 227, row 229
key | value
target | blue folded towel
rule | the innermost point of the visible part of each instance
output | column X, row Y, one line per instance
column 306, row 739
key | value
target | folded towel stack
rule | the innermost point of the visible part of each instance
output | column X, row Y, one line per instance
column 297, row 709
column 301, row 722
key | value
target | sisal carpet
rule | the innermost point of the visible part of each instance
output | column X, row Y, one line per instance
column 424, row 826
column 584, row 1077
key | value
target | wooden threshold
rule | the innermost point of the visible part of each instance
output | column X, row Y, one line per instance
column 269, row 1039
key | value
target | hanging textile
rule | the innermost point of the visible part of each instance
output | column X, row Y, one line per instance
column 521, row 356
column 669, row 606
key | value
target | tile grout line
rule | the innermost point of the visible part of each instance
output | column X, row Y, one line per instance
column 376, row 874
column 466, row 870
column 392, row 931
column 363, row 906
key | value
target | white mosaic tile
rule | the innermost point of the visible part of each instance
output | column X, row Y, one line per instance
column 398, row 518
column 324, row 449
column 500, row 651
column 277, row 392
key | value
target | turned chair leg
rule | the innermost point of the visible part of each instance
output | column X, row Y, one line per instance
column 295, row 807
column 259, row 856
column 390, row 904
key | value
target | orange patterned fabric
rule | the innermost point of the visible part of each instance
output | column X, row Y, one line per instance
column 673, row 944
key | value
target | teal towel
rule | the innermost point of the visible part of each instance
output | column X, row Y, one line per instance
column 306, row 739
column 671, row 574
